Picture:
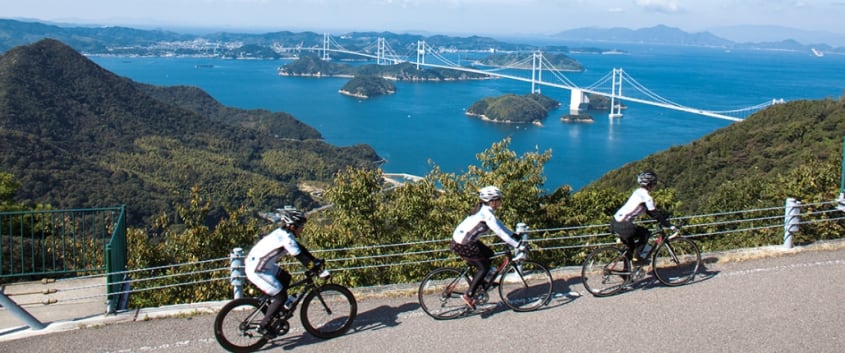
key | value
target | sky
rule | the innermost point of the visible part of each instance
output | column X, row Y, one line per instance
column 463, row 17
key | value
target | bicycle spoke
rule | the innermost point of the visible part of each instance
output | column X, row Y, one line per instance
column 440, row 293
column 676, row 262
column 605, row 272
column 526, row 286
column 236, row 324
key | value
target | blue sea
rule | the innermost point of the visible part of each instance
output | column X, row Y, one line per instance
column 424, row 124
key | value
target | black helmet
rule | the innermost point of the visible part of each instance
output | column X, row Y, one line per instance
column 292, row 217
column 288, row 216
column 647, row 178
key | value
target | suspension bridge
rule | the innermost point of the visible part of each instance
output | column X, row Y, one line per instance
column 610, row 85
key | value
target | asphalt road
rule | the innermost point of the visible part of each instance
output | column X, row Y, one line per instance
column 787, row 303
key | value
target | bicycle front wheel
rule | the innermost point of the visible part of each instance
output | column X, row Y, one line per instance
column 236, row 326
column 525, row 286
column 605, row 271
column 328, row 311
column 440, row 293
column 676, row 262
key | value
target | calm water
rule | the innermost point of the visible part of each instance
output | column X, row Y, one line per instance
column 425, row 122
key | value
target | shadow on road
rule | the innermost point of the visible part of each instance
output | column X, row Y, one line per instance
column 703, row 274
column 376, row 319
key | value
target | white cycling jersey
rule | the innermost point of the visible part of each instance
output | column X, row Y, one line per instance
column 639, row 202
column 261, row 263
column 479, row 223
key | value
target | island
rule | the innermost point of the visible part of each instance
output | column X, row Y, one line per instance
column 367, row 86
column 577, row 118
column 522, row 60
column 312, row 66
column 600, row 102
column 514, row 109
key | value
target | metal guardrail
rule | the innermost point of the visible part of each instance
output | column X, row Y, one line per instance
column 62, row 244
column 788, row 220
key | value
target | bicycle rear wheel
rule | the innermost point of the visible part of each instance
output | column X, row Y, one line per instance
column 328, row 311
column 525, row 286
column 440, row 293
column 604, row 271
column 676, row 262
column 236, row 326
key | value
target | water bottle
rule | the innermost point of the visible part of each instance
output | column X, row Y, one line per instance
column 645, row 251
column 488, row 278
column 289, row 302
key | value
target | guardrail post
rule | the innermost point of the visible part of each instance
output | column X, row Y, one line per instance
column 16, row 310
column 840, row 204
column 791, row 220
column 237, row 268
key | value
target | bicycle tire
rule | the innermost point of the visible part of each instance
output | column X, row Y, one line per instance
column 440, row 293
column 328, row 311
column 604, row 271
column 676, row 261
column 525, row 286
column 236, row 328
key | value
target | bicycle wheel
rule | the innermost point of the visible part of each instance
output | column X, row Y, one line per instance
column 676, row 261
column 236, row 326
column 440, row 293
column 328, row 311
column 525, row 286
column 604, row 271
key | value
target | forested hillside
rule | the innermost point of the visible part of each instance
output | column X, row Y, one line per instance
column 75, row 135
column 756, row 161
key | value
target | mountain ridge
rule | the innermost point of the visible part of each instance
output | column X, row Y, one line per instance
column 115, row 40
column 76, row 135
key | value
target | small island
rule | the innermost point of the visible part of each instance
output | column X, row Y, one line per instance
column 514, row 109
column 367, row 87
column 577, row 118
column 561, row 62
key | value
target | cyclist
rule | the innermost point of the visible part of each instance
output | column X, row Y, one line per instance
column 632, row 235
column 465, row 240
column 262, row 268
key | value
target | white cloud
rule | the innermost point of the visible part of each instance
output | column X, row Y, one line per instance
column 665, row 6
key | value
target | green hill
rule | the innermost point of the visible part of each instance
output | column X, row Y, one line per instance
column 512, row 108
column 76, row 135
column 368, row 87
column 756, row 161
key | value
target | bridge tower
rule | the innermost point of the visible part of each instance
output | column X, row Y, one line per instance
column 616, row 91
column 326, row 47
column 380, row 53
column 536, row 71
column 420, row 53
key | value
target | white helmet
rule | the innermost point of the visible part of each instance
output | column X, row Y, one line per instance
column 489, row 193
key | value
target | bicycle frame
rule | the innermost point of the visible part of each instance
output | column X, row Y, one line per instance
column 486, row 286
column 660, row 240
column 264, row 299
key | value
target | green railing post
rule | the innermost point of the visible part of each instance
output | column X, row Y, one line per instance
column 116, row 265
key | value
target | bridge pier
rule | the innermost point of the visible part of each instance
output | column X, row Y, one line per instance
column 578, row 101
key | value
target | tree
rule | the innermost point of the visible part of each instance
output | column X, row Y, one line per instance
column 8, row 186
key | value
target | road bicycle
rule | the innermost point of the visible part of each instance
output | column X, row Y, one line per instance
column 328, row 310
column 674, row 260
column 523, row 286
